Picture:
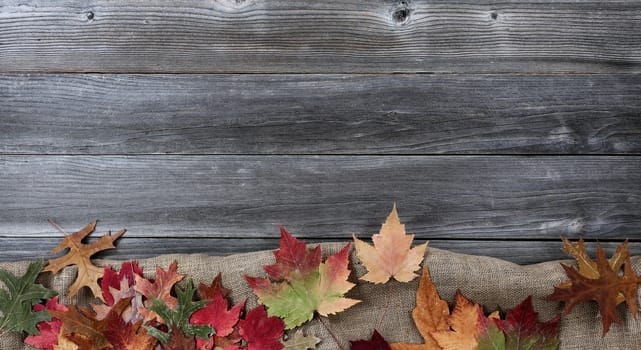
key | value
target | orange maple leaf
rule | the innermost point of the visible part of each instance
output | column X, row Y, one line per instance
column 80, row 255
column 392, row 254
column 160, row 289
column 604, row 289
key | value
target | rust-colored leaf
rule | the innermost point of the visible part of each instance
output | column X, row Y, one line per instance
column 463, row 323
column 392, row 255
column 604, row 290
column 159, row 289
column 80, row 255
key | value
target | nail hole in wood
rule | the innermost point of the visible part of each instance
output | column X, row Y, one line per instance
column 401, row 16
column 90, row 15
column 494, row 15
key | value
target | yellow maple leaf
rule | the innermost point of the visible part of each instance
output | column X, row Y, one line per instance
column 79, row 254
column 392, row 254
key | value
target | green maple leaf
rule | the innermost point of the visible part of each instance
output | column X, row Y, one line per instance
column 179, row 319
column 17, row 301
column 300, row 284
column 493, row 339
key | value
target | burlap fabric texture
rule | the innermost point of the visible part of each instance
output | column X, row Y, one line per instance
column 388, row 307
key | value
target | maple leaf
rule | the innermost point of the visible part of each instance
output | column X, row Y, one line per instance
column 216, row 288
column 125, row 335
column 604, row 289
column 519, row 331
column 430, row 315
column 81, row 326
column 300, row 342
column 302, row 284
column 376, row 343
column 113, row 280
column 463, row 323
column 178, row 318
column 80, row 255
column 65, row 344
column 48, row 336
column 130, row 314
column 217, row 315
column 260, row 331
column 467, row 327
column 588, row 267
column 392, row 254
column 159, row 289
column 17, row 301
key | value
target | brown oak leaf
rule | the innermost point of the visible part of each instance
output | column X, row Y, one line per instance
column 588, row 267
column 80, row 255
column 604, row 289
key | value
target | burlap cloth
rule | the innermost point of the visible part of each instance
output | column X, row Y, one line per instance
column 486, row 280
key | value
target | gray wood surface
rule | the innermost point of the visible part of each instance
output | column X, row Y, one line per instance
column 453, row 197
column 320, row 114
column 521, row 252
column 327, row 36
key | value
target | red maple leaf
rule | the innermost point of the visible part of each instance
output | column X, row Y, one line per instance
column 376, row 343
column 217, row 315
column 293, row 257
column 49, row 330
column 216, row 287
column 112, row 279
column 261, row 332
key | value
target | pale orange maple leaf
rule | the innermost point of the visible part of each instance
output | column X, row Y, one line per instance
column 392, row 254
column 80, row 254
column 463, row 322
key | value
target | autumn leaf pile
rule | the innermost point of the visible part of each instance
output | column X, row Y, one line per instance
column 166, row 310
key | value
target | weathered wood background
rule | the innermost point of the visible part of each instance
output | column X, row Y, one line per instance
column 200, row 126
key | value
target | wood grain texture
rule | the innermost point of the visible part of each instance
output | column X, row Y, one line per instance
column 340, row 36
column 462, row 197
column 520, row 252
column 320, row 114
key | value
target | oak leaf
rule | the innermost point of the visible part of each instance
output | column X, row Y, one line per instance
column 392, row 254
column 604, row 290
column 301, row 285
column 159, row 289
column 299, row 341
column 376, row 343
column 49, row 330
column 178, row 317
column 79, row 254
column 588, row 267
column 17, row 301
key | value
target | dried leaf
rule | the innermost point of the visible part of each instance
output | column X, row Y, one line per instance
column 301, row 342
column 217, row 315
column 82, row 327
column 65, row 344
column 261, row 332
column 80, row 255
column 179, row 341
column 113, row 280
column 300, row 284
column 376, row 343
column 17, row 301
column 588, row 267
column 159, row 289
column 430, row 315
column 463, row 323
column 49, row 330
column 391, row 255
column 604, row 289
column 214, row 289
column 178, row 318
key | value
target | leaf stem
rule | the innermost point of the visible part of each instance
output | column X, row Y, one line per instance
column 320, row 318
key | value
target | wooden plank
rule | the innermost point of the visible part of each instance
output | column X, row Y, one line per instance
column 463, row 197
column 520, row 252
column 320, row 114
column 340, row 36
